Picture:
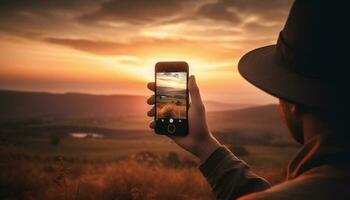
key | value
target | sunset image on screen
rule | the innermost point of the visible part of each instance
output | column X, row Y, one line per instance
column 171, row 95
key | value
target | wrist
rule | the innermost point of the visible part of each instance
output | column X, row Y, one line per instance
column 206, row 147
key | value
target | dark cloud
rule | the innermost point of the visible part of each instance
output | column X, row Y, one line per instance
column 236, row 11
column 258, row 5
column 96, row 47
column 146, row 47
column 26, row 17
column 44, row 6
column 258, row 29
column 115, row 48
column 55, row 21
column 218, row 12
column 29, row 17
column 20, row 32
column 135, row 11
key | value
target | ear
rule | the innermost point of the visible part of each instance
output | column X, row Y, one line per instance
column 289, row 108
column 296, row 110
column 293, row 109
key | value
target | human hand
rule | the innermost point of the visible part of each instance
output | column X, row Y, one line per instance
column 199, row 140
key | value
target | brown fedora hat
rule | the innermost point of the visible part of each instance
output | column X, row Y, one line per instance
column 299, row 67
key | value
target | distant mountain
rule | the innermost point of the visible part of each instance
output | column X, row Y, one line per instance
column 130, row 111
column 21, row 105
column 257, row 119
column 123, row 113
column 170, row 91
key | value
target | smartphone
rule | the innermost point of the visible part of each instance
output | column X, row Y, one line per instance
column 171, row 102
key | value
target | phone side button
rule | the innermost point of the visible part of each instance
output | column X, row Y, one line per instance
column 171, row 128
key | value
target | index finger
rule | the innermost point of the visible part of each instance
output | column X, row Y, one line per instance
column 151, row 86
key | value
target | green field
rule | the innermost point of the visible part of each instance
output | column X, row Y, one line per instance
column 114, row 148
column 108, row 149
column 262, row 158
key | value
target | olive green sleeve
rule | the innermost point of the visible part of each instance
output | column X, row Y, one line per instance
column 229, row 176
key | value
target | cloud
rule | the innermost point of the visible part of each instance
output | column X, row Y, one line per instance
column 145, row 48
column 58, row 18
column 236, row 11
column 116, row 48
column 218, row 12
column 177, row 11
column 135, row 47
column 270, row 10
column 257, row 29
column 172, row 26
column 96, row 47
column 40, row 6
column 20, row 33
column 129, row 60
column 40, row 17
column 135, row 11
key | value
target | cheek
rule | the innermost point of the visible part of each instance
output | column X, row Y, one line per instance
column 296, row 129
column 293, row 123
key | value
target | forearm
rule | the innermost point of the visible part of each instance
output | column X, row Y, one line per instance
column 206, row 147
column 230, row 177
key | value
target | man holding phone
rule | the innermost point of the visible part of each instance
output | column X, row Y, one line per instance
column 297, row 71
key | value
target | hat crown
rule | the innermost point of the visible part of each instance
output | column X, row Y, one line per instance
column 312, row 34
column 309, row 64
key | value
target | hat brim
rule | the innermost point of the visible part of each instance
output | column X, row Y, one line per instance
column 262, row 68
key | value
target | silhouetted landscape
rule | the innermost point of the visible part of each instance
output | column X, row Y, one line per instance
column 81, row 146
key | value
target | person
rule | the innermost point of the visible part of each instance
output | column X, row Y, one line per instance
column 297, row 71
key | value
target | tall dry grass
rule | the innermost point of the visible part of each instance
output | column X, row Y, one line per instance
column 142, row 176
column 171, row 110
column 124, row 180
column 30, row 178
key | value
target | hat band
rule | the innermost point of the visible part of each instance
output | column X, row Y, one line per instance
column 298, row 61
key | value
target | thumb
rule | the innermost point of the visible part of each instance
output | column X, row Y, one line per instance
column 194, row 92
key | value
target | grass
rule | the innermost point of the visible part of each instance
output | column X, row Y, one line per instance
column 95, row 148
column 131, row 162
column 169, row 110
column 124, row 180
column 32, row 168
column 259, row 155
column 144, row 175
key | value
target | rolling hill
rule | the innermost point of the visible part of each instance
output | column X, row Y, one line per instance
column 219, row 106
column 259, row 117
column 120, row 113
column 22, row 105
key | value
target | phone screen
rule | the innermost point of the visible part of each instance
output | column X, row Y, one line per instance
column 171, row 96
column 171, row 102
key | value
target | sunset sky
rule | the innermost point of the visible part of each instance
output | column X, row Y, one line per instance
column 111, row 46
column 172, row 79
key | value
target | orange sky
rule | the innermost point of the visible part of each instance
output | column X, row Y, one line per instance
column 111, row 46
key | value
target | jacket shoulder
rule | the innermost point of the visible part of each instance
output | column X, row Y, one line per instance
column 312, row 185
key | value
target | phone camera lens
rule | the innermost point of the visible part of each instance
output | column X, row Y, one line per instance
column 171, row 128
